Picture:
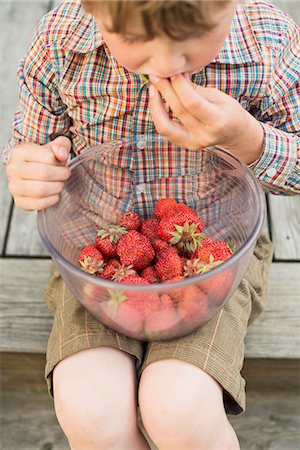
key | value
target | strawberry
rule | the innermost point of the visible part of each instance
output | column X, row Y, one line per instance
column 110, row 268
column 123, row 272
column 149, row 274
column 108, row 238
column 133, row 279
column 203, row 254
column 193, row 304
column 163, row 206
column 169, row 266
column 136, row 249
column 149, row 228
column 91, row 259
column 131, row 221
column 207, row 242
column 183, row 229
column 123, row 313
column 220, row 251
column 193, row 267
column 163, row 322
column 218, row 287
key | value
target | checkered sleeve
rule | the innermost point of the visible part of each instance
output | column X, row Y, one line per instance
column 40, row 113
column 278, row 166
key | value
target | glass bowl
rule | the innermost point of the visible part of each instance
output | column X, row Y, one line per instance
column 132, row 175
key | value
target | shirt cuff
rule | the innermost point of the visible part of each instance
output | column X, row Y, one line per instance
column 277, row 163
column 7, row 149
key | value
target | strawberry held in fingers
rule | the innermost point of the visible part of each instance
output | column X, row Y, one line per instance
column 136, row 249
column 91, row 259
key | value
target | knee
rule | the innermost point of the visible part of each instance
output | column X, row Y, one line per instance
column 93, row 418
column 182, row 405
column 86, row 419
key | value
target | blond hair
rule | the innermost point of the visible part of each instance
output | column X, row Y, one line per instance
column 178, row 19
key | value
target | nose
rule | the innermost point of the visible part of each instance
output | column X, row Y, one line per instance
column 168, row 61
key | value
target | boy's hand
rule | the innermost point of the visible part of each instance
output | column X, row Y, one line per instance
column 36, row 173
column 208, row 117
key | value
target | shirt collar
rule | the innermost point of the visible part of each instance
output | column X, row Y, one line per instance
column 82, row 33
column 239, row 47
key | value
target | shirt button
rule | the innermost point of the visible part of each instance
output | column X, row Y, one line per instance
column 271, row 172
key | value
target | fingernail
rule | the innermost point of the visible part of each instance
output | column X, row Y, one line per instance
column 151, row 90
column 62, row 152
column 154, row 79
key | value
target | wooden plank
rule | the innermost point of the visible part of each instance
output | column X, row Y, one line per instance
column 285, row 226
column 17, row 21
column 25, row 322
column 25, row 371
column 271, row 422
column 276, row 334
column 24, row 239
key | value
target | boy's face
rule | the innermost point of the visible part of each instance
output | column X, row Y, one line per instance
column 162, row 56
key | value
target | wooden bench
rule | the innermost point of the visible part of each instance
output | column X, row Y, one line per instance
column 25, row 322
column 272, row 345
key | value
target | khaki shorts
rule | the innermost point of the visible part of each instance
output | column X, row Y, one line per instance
column 217, row 347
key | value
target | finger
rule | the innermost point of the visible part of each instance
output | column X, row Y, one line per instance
column 35, row 189
column 195, row 99
column 36, row 204
column 165, row 125
column 33, row 153
column 61, row 147
column 38, row 172
column 186, row 117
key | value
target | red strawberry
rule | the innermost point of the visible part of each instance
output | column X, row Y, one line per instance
column 163, row 206
column 108, row 238
column 136, row 249
column 110, row 268
column 149, row 274
column 193, row 304
column 218, row 287
column 220, row 251
column 169, row 266
column 123, row 313
column 182, row 229
column 207, row 242
column 130, row 221
column 123, row 272
column 149, row 228
column 163, row 322
column 91, row 260
column 203, row 254
column 134, row 279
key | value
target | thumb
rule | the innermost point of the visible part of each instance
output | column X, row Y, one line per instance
column 61, row 147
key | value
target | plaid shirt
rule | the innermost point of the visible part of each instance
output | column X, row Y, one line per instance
column 71, row 84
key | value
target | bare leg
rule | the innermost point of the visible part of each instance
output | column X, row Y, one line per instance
column 95, row 400
column 182, row 408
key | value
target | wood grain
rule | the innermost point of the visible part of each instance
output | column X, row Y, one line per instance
column 25, row 322
column 17, row 22
column 285, row 225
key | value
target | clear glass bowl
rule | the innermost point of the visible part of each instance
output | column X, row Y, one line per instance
column 132, row 174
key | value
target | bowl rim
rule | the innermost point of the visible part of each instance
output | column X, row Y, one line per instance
column 153, row 287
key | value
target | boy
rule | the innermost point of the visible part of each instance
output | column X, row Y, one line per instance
column 81, row 84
